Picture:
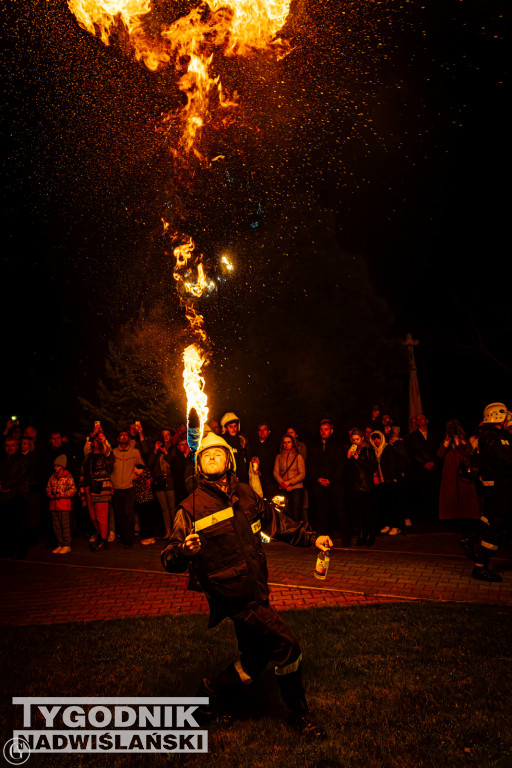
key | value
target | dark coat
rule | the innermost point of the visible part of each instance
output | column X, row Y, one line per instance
column 266, row 453
column 182, row 469
column 421, row 451
column 13, row 477
column 495, row 456
column 230, row 566
column 162, row 482
column 389, row 464
column 242, row 456
column 360, row 471
column 326, row 462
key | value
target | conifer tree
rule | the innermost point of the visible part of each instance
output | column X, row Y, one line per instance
column 141, row 380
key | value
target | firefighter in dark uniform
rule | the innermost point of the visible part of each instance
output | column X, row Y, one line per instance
column 217, row 537
column 495, row 470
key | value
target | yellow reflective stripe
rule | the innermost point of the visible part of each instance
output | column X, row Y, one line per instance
column 256, row 526
column 483, row 519
column 489, row 546
column 293, row 667
column 244, row 677
column 488, row 483
column 217, row 517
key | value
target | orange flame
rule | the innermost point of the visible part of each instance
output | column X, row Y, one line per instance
column 194, row 356
column 193, row 380
column 235, row 27
column 232, row 27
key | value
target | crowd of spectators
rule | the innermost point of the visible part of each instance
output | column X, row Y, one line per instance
column 372, row 480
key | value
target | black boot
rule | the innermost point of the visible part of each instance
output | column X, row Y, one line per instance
column 294, row 696
column 205, row 713
column 222, row 691
column 485, row 574
column 468, row 545
column 99, row 545
column 307, row 727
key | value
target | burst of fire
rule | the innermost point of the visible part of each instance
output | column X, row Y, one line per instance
column 185, row 261
column 231, row 27
column 193, row 358
column 234, row 27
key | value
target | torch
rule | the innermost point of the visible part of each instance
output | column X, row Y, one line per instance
column 193, row 430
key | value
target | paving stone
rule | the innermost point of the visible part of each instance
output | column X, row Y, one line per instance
column 90, row 586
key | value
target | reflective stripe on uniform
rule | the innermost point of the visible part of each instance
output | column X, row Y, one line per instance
column 244, row 677
column 293, row 667
column 217, row 517
column 489, row 546
column 487, row 483
column 256, row 526
column 483, row 519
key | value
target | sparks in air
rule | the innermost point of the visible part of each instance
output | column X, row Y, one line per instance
column 191, row 45
column 226, row 263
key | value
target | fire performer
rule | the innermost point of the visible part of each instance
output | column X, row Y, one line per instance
column 216, row 536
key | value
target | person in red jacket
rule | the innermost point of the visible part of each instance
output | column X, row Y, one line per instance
column 217, row 537
column 60, row 490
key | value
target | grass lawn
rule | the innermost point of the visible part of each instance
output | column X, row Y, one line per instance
column 409, row 685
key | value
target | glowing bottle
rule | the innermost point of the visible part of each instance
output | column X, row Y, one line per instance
column 322, row 565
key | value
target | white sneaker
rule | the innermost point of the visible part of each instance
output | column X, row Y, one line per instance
column 395, row 531
column 386, row 529
column 65, row 550
column 408, row 523
column 111, row 537
column 148, row 541
column 93, row 538
column 56, row 551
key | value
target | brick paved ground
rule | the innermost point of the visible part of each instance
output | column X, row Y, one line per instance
column 85, row 586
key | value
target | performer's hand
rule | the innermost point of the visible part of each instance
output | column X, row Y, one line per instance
column 192, row 544
column 324, row 543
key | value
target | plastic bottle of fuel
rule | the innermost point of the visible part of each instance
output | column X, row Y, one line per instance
column 322, row 565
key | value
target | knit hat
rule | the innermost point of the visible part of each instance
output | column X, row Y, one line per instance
column 61, row 460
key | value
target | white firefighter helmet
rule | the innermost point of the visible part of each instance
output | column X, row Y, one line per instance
column 211, row 440
column 227, row 418
column 495, row 413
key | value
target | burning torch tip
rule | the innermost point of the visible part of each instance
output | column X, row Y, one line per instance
column 193, row 419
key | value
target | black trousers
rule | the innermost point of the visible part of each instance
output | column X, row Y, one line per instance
column 124, row 509
column 264, row 636
column 497, row 517
column 328, row 511
column 14, row 523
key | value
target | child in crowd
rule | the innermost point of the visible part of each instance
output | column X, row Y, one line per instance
column 60, row 490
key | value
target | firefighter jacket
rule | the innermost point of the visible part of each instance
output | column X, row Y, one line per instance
column 230, row 566
column 495, row 456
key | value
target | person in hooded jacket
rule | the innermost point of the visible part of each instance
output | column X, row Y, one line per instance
column 387, row 507
column 217, row 538
column 230, row 426
column 360, row 469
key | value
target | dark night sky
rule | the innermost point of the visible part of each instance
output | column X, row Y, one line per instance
column 387, row 115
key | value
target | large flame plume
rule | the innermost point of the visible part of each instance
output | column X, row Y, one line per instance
column 190, row 44
column 232, row 27
column 190, row 276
